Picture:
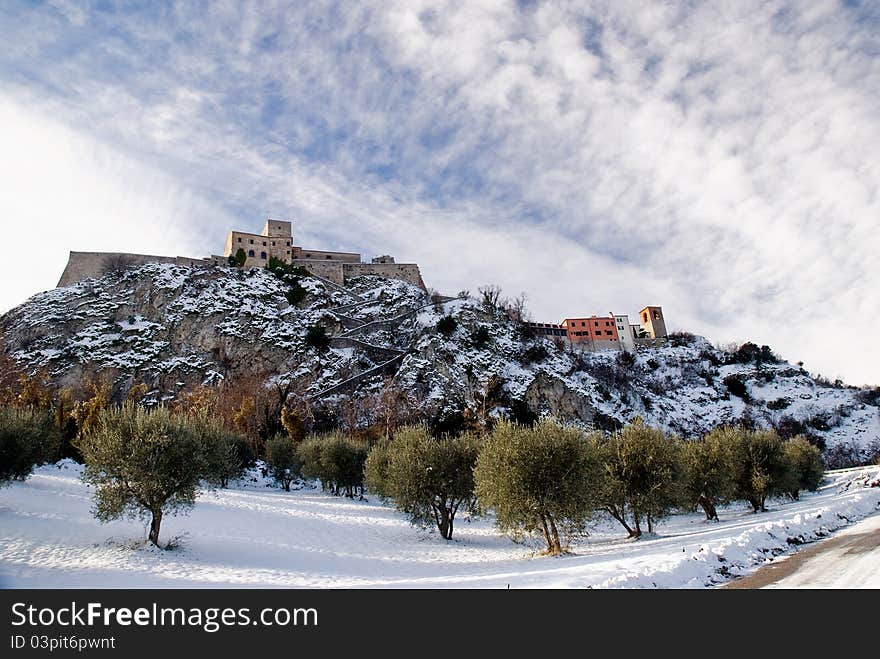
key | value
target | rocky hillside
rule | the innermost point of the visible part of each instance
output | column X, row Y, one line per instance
column 174, row 328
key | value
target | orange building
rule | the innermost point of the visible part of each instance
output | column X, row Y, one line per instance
column 600, row 331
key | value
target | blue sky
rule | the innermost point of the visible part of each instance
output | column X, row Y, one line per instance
column 721, row 159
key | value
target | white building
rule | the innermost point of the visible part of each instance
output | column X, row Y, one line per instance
column 624, row 333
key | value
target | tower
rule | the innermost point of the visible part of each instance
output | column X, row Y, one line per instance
column 653, row 321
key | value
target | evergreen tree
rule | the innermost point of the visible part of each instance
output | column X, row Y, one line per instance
column 282, row 459
column 709, row 471
column 537, row 479
column 144, row 463
column 28, row 437
column 640, row 476
column 426, row 477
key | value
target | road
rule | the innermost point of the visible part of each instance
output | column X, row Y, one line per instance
column 849, row 559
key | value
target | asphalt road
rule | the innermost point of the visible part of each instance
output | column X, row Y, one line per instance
column 849, row 559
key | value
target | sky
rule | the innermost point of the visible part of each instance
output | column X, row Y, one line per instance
column 720, row 159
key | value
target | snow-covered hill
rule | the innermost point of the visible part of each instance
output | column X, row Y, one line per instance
column 174, row 328
column 255, row 536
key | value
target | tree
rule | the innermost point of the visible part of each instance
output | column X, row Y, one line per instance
column 240, row 257
column 428, row 478
column 639, row 476
column 336, row 460
column 143, row 463
column 709, row 471
column 227, row 454
column 27, row 437
column 282, row 459
column 761, row 468
column 805, row 466
column 538, row 479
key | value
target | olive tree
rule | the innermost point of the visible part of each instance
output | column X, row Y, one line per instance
column 144, row 463
column 804, row 466
column 537, row 479
column 336, row 460
column 426, row 477
column 761, row 468
column 708, row 470
column 283, row 461
column 28, row 436
column 639, row 476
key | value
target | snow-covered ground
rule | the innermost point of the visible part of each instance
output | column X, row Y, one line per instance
column 252, row 535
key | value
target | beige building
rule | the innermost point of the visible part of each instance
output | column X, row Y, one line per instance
column 276, row 240
column 653, row 322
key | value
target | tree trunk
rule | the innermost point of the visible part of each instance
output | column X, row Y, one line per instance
column 557, row 546
column 620, row 519
column 650, row 523
column 154, row 526
column 637, row 531
column 547, row 537
column 708, row 507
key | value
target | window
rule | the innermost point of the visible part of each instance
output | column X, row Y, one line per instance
column 288, row 251
column 596, row 322
column 264, row 243
column 609, row 333
column 644, row 318
column 288, row 243
column 583, row 324
column 239, row 240
column 252, row 242
column 656, row 315
column 263, row 255
column 308, row 256
column 328, row 257
column 273, row 243
column 250, row 251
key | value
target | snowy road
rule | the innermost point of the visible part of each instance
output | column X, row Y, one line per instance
column 850, row 559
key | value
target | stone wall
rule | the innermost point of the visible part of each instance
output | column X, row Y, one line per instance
column 408, row 272
column 85, row 265
column 331, row 270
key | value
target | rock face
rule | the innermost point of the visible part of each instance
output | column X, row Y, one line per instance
column 174, row 328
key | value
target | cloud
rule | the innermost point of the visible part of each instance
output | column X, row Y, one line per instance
column 717, row 158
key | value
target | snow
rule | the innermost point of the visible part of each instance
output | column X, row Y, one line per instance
column 252, row 535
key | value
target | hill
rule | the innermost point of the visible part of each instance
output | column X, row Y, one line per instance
column 175, row 329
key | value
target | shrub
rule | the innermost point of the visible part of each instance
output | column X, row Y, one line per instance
column 428, row 478
column 639, row 474
column 283, row 461
column 736, row 386
column 539, row 479
column 295, row 294
column 144, row 463
column 447, row 325
column 521, row 414
column 27, row 437
column 535, row 353
column 680, row 338
column 779, row 404
column 240, row 257
column 480, row 337
column 316, row 337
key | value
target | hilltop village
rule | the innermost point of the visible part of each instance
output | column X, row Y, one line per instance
column 276, row 240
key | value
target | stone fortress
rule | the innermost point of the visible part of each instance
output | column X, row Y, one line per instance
column 276, row 240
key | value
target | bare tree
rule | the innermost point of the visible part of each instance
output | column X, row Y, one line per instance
column 491, row 296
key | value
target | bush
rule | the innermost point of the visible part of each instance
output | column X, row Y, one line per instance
column 295, row 294
column 480, row 337
column 428, row 478
column 535, row 353
column 639, row 480
column 680, row 338
column 283, row 461
column 28, row 437
column 539, row 479
column 736, row 386
column 316, row 337
column 521, row 414
column 240, row 257
column 336, row 460
column 144, row 463
column 447, row 325
column 869, row 396
column 779, row 404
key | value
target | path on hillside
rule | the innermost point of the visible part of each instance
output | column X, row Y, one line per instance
column 849, row 559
